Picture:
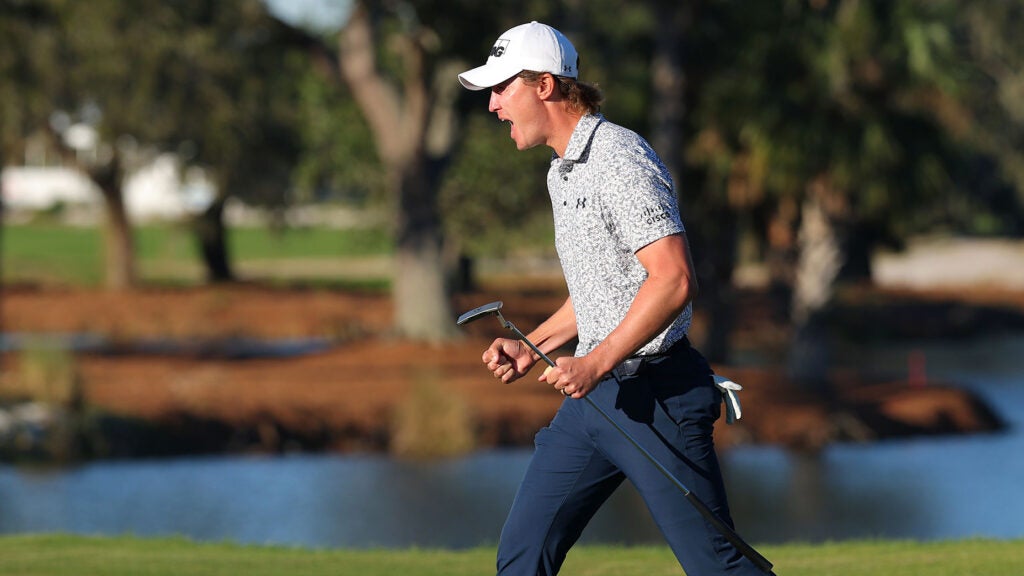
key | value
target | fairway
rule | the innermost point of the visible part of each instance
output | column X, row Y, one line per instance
column 52, row 253
column 53, row 555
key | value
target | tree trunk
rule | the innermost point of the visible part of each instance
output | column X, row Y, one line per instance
column 820, row 259
column 400, row 121
column 211, row 233
column 422, row 307
column 781, row 256
column 715, row 245
column 668, row 78
column 2, row 220
column 118, row 242
column 860, row 243
column 712, row 229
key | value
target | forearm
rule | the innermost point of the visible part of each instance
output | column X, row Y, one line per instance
column 668, row 289
column 559, row 329
column 655, row 307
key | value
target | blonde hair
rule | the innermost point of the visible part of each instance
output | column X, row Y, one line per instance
column 582, row 98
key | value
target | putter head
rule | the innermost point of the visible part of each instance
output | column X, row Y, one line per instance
column 481, row 311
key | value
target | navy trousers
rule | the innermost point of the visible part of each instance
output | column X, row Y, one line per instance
column 669, row 406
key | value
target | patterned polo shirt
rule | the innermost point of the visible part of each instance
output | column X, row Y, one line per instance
column 611, row 196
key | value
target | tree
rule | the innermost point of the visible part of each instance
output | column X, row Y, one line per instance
column 711, row 223
column 209, row 82
column 402, row 121
column 845, row 120
column 37, row 99
column 28, row 75
column 25, row 80
column 251, row 135
column 400, row 62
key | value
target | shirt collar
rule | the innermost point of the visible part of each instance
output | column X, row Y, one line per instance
column 581, row 135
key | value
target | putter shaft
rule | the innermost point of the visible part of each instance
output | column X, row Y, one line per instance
column 708, row 514
column 735, row 539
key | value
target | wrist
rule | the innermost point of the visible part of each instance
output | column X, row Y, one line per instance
column 602, row 360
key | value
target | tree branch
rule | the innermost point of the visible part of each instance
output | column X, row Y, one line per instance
column 378, row 100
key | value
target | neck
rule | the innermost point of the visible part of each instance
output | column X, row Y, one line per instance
column 562, row 125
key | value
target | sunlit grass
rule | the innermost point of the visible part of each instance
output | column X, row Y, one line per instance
column 46, row 555
column 52, row 253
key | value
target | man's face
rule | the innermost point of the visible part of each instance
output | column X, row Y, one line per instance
column 516, row 102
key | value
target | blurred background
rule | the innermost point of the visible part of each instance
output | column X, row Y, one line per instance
column 236, row 235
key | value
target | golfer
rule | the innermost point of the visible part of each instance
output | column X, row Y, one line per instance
column 623, row 250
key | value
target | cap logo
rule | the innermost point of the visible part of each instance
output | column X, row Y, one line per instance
column 499, row 48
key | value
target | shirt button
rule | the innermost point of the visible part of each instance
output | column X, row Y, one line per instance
column 565, row 178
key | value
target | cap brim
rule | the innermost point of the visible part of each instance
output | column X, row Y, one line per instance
column 486, row 76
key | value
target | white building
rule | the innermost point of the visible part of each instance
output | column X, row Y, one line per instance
column 156, row 191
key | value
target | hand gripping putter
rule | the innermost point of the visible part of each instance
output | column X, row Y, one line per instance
column 494, row 308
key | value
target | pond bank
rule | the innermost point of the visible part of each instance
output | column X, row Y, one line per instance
column 346, row 398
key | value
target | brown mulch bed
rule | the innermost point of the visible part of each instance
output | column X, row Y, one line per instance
column 343, row 397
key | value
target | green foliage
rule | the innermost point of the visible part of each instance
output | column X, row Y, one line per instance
column 214, row 82
column 28, row 75
column 339, row 160
column 46, row 555
column 913, row 111
column 875, row 97
column 495, row 199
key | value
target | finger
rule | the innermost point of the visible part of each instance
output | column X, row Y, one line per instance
column 494, row 353
column 501, row 370
column 496, row 361
column 490, row 356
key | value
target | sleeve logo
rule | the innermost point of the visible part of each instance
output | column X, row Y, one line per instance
column 652, row 215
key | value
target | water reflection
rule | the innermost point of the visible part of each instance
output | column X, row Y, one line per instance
column 233, row 348
column 302, row 500
column 927, row 488
column 935, row 488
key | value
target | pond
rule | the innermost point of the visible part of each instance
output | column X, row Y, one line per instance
column 924, row 488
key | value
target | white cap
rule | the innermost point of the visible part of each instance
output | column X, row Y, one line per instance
column 534, row 46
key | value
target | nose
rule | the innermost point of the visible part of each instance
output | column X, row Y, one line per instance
column 493, row 105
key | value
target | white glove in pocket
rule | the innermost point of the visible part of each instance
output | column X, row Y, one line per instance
column 733, row 410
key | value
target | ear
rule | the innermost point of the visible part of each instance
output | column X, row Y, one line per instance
column 546, row 86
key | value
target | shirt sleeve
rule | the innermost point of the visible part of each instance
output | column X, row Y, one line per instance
column 641, row 204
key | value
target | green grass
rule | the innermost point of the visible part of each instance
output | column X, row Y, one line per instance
column 51, row 253
column 41, row 555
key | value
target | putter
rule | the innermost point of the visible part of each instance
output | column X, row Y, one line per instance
column 494, row 308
